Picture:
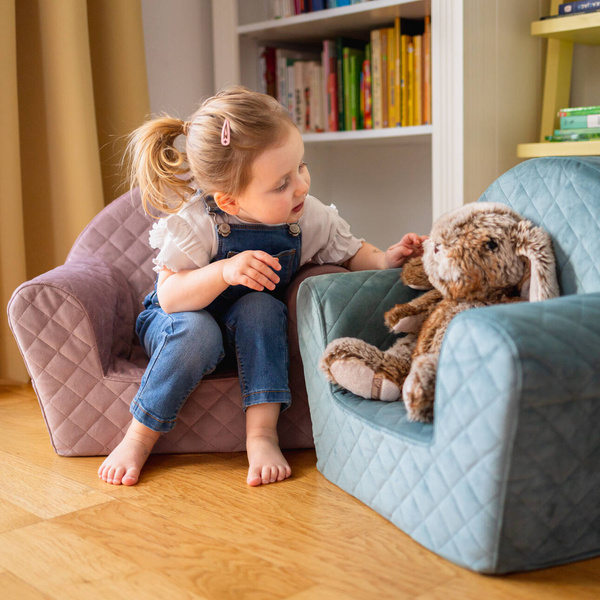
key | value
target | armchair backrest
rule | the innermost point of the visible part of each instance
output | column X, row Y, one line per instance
column 562, row 195
column 118, row 234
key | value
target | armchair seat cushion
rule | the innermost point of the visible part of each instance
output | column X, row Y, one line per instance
column 507, row 478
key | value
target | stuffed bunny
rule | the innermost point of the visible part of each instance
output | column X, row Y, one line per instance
column 478, row 255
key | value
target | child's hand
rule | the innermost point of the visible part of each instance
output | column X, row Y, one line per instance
column 254, row 269
column 410, row 245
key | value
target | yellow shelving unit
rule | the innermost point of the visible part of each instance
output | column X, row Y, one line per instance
column 562, row 34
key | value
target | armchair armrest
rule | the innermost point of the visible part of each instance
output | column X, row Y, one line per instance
column 518, row 394
column 352, row 305
column 80, row 313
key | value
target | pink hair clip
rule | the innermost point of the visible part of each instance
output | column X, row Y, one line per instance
column 225, row 133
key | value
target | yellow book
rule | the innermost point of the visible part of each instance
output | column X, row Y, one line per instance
column 385, row 100
column 418, row 81
column 410, row 95
column 398, row 72
column 392, row 99
column 404, row 80
column 376, row 77
column 427, row 72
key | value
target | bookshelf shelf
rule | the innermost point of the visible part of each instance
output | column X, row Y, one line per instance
column 586, row 148
column 399, row 135
column 578, row 29
column 562, row 34
column 344, row 21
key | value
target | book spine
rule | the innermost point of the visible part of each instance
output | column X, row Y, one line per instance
column 385, row 102
column 580, row 110
column 427, row 72
column 582, row 6
column 573, row 137
column 368, row 107
column 576, row 131
column 340, row 83
column 579, row 121
column 418, row 82
column 397, row 73
column 376, row 77
column 347, row 84
column 404, row 81
column 411, row 82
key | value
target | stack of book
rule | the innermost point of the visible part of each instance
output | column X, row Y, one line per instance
column 348, row 84
column 290, row 8
column 577, row 124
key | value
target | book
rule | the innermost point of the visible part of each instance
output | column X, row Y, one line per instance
column 352, row 58
column 573, row 137
column 575, row 131
column 404, row 40
column 367, row 104
column 418, row 81
column 340, row 43
column 427, row 72
column 329, row 62
column 579, row 121
column 391, row 76
column 579, row 110
column 397, row 120
column 410, row 94
column 376, row 78
column 267, row 72
column 385, row 99
column 581, row 6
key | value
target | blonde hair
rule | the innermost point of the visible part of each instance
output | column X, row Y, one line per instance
column 167, row 176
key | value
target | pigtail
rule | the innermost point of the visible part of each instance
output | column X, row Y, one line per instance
column 158, row 167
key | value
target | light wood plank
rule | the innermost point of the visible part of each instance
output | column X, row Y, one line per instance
column 14, row 517
column 41, row 491
column 13, row 588
column 220, row 569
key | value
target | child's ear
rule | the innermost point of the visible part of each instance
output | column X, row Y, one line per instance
column 227, row 203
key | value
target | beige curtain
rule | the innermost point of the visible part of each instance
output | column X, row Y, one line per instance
column 73, row 84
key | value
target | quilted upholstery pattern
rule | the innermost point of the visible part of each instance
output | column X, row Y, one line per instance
column 75, row 328
column 508, row 476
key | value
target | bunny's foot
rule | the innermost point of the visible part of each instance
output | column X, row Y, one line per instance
column 361, row 369
column 418, row 391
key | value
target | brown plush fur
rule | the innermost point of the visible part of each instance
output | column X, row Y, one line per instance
column 478, row 255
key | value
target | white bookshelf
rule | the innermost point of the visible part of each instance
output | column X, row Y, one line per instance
column 410, row 175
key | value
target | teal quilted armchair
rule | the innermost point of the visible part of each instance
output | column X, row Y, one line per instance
column 507, row 478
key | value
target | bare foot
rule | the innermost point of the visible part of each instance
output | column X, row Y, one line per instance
column 124, row 463
column 266, row 462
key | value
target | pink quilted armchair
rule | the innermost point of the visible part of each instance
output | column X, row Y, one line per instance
column 75, row 328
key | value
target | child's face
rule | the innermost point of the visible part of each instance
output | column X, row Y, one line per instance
column 279, row 184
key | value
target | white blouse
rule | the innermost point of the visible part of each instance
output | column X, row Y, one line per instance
column 188, row 240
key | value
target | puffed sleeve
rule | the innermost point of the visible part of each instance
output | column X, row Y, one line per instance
column 180, row 245
column 332, row 241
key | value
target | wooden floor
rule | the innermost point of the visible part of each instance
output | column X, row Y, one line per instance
column 192, row 529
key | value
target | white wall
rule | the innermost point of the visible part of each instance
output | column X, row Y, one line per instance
column 179, row 56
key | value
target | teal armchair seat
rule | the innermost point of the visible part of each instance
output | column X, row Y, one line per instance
column 507, row 478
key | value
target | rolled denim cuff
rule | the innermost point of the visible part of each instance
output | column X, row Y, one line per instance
column 283, row 397
column 149, row 420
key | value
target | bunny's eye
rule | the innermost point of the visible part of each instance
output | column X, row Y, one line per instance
column 491, row 245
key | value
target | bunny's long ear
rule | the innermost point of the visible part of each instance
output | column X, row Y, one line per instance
column 534, row 243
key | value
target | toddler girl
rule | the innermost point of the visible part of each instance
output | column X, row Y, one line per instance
column 238, row 223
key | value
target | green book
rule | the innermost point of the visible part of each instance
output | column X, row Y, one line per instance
column 580, row 121
column 579, row 110
column 352, row 59
column 572, row 131
column 573, row 137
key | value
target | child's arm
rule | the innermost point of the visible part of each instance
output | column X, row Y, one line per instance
column 196, row 288
column 370, row 257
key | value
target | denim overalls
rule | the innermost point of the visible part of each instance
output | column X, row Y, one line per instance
column 184, row 347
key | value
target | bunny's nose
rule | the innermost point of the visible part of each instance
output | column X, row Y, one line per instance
column 436, row 248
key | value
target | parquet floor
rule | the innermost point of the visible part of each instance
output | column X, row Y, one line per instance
column 192, row 529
